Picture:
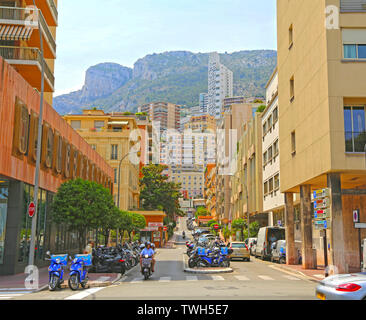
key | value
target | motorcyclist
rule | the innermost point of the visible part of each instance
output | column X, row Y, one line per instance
column 148, row 250
column 183, row 234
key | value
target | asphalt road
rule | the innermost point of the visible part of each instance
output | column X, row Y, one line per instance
column 255, row 280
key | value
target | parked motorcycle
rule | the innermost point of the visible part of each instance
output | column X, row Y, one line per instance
column 216, row 257
column 56, row 270
column 79, row 271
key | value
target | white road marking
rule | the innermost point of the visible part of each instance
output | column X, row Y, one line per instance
column 242, row 278
column 218, row 278
column 102, row 279
column 320, row 276
column 136, row 280
column 267, row 278
column 291, row 278
column 191, row 278
column 165, row 279
column 3, row 298
column 84, row 294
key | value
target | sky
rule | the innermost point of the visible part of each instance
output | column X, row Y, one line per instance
column 122, row 31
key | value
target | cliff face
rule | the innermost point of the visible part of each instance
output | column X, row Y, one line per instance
column 178, row 77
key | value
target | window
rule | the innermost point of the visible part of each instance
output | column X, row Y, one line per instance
column 270, row 153
column 292, row 89
column 291, row 36
column 264, row 128
column 114, row 152
column 275, row 149
column 354, row 43
column 275, row 115
column 293, row 142
column 354, row 127
column 98, row 125
column 269, row 122
column 270, row 185
column 266, row 188
column 276, row 182
column 94, row 146
column 115, row 175
column 76, row 124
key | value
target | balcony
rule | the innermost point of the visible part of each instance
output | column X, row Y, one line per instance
column 25, row 18
column 48, row 9
column 28, row 62
column 353, row 5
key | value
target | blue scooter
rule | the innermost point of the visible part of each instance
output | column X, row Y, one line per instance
column 56, row 271
column 79, row 271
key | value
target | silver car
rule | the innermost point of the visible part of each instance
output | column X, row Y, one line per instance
column 343, row 287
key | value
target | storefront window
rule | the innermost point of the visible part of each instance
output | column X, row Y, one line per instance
column 26, row 225
column 4, row 192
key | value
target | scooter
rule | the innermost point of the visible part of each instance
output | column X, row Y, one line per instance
column 79, row 271
column 146, row 266
column 56, row 271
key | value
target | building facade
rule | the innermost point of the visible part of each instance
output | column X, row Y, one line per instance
column 65, row 155
column 210, row 189
column 322, row 100
column 114, row 136
column 21, row 26
column 203, row 102
column 220, row 85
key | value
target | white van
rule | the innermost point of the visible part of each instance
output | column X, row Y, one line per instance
column 266, row 236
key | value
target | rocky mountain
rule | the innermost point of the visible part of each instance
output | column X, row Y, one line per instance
column 178, row 77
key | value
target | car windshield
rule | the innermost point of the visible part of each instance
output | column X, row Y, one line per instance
column 238, row 245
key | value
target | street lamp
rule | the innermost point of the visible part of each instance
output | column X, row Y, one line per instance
column 39, row 143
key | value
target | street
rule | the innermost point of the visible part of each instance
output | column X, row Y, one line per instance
column 255, row 280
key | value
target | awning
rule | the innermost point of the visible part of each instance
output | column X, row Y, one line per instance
column 118, row 122
column 15, row 32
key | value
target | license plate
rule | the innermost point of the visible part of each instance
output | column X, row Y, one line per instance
column 320, row 296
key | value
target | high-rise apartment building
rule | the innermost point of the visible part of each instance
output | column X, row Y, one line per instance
column 203, row 102
column 167, row 114
column 220, row 85
column 20, row 44
column 322, row 99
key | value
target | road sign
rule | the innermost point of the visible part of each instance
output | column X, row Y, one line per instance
column 216, row 226
column 360, row 225
column 165, row 228
column 356, row 216
column 322, row 214
column 31, row 209
column 320, row 194
column 321, row 224
column 321, row 203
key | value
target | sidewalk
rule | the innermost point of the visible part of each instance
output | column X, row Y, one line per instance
column 312, row 274
column 17, row 281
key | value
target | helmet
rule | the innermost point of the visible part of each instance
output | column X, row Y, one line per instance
column 142, row 246
column 147, row 243
column 153, row 245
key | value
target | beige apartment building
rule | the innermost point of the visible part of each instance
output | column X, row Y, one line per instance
column 230, row 127
column 111, row 135
column 322, row 98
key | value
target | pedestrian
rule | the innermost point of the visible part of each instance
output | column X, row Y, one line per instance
column 89, row 247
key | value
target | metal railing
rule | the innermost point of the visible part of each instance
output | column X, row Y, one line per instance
column 353, row 5
column 27, row 54
column 53, row 7
column 27, row 17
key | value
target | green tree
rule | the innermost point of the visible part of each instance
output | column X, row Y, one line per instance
column 82, row 205
column 226, row 233
column 261, row 108
column 202, row 212
column 239, row 224
column 157, row 193
column 213, row 230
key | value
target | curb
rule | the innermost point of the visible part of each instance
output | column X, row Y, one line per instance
column 226, row 270
column 297, row 273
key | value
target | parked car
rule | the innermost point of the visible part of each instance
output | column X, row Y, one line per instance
column 240, row 251
column 250, row 243
column 343, row 287
column 266, row 236
column 278, row 253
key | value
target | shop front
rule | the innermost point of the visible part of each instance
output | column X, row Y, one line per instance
column 154, row 230
column 64, row 156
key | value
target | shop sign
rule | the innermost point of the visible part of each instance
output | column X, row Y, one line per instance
column 156, row 224
column 150, row 229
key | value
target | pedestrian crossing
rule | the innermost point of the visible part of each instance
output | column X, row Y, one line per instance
column 12, row 293
column 226, row 277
